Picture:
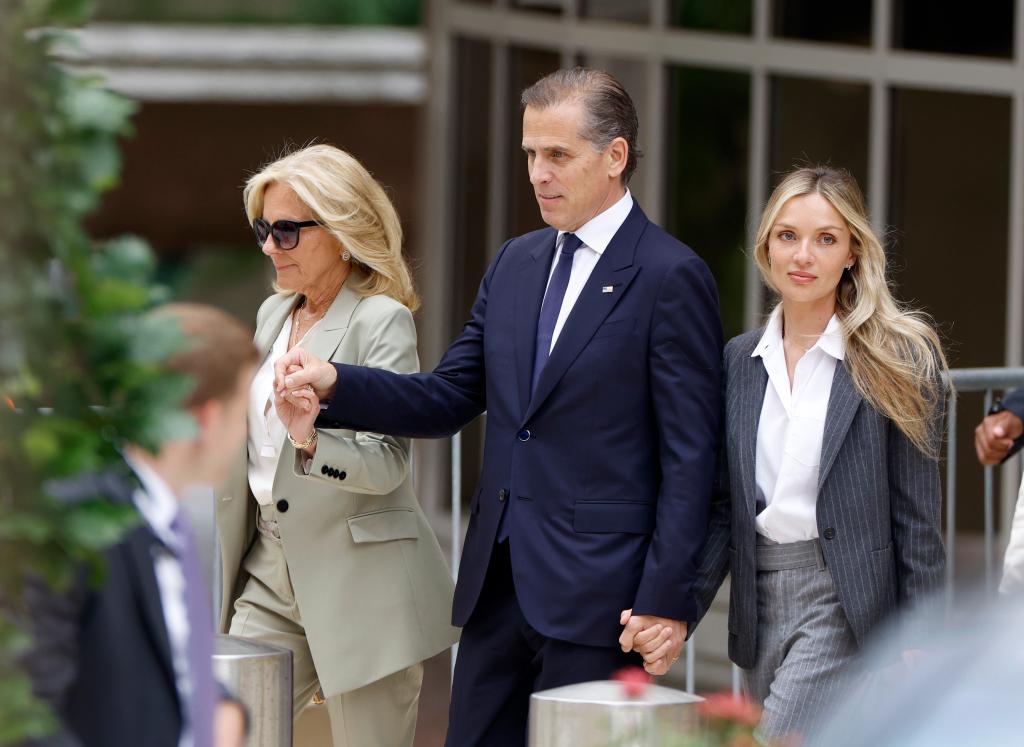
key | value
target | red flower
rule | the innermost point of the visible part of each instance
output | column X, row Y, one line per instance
column 728, row 707
column 634, row 681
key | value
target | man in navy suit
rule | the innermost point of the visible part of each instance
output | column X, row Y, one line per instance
column 594, row 346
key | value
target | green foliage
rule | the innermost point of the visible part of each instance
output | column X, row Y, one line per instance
column 79, row 364
column 337, row 12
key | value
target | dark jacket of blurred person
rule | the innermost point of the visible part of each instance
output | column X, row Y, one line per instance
column 128, row 662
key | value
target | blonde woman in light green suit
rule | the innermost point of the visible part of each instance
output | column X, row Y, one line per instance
column 325, row 548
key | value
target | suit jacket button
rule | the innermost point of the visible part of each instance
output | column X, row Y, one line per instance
column 829, row 533
column 524, row 434
column 502, row 494
column 282, row 505
column 325, row 470
column 342, row 475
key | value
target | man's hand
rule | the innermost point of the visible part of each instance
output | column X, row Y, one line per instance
column 658, row 639
column 995, row 435
column 297, row 368
column 229, row 724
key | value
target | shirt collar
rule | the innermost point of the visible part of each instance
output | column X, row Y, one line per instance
column 156, row 501
column 830, row 341
column 597, row 233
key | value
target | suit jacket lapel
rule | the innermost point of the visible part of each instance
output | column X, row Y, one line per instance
column 271, row 326
column 616, row 270
column 843, row 402
column 140, row 548
column 532, row 281
column 754, row 383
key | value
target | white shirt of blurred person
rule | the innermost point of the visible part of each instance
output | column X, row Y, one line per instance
column 325, row 521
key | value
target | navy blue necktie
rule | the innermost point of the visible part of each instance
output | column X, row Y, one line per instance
column 552, row 304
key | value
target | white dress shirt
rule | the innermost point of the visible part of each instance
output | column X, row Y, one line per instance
column 1013, row 561
column 595, row 234
column 790, row 431
column 266, row 432
column 159, row 507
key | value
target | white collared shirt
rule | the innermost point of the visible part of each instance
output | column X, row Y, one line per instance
column 159, row 507
column 266, row 433
column 595, row 234
column 790, row 431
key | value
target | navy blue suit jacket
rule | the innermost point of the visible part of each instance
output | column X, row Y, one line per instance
column 607, row 469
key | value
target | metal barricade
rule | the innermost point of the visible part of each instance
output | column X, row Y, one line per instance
column 260, row 676
column 987, row 380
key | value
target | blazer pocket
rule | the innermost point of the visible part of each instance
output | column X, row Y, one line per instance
column 615, row 328
column 384, row 525
column 629, row 517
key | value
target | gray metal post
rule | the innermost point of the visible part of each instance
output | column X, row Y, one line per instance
column 259, row 675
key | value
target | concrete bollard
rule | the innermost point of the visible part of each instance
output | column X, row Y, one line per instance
column 259, row 675
column 601, row 714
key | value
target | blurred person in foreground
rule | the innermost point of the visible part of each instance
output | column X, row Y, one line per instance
column 129, row 663
column 325, row 548
column 594, row 345
column 968, row 690
column 828, row 506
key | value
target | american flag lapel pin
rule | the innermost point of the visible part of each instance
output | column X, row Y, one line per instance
column 607, row 288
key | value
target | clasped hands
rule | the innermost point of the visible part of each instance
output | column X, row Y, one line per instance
column 659, row 640
column 301, row 380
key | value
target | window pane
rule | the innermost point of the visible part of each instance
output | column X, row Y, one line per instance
column 814, row 121
column 706, row 194
column 950, row 210
column 950, row 206
column 954, row 27
column 637, row 11
column 547, row 6
column 848, row 22
column 733, row 16
column 472, row 173
column 526, row 67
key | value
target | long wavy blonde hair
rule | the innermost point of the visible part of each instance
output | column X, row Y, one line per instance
column 343, row 196
column 893, row 352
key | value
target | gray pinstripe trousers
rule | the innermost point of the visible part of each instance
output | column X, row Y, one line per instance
column 805, row 646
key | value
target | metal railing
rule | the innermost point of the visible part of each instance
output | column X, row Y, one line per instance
column 987, row 380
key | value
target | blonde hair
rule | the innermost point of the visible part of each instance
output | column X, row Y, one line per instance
column 351, row 205
column 893, row 353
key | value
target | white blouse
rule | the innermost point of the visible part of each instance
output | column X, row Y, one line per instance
column 790, row 431
column 267, row 433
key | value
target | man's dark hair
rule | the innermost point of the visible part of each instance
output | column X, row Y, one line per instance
column 609, row 109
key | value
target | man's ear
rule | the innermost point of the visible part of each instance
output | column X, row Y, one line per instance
column 617, row 153
column 206, row 415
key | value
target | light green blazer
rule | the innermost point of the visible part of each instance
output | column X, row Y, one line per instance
column 372, row 586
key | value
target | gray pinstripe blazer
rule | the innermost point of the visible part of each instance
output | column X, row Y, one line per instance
column 879, row 504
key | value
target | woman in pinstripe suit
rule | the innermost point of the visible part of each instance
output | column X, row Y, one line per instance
column 827, row 513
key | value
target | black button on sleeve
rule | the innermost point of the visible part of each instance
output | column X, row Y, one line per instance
column 342, row 475
column 282, row 505
column 829, row 533
column 324, row 470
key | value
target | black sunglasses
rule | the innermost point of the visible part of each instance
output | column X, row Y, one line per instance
column 285, row 232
